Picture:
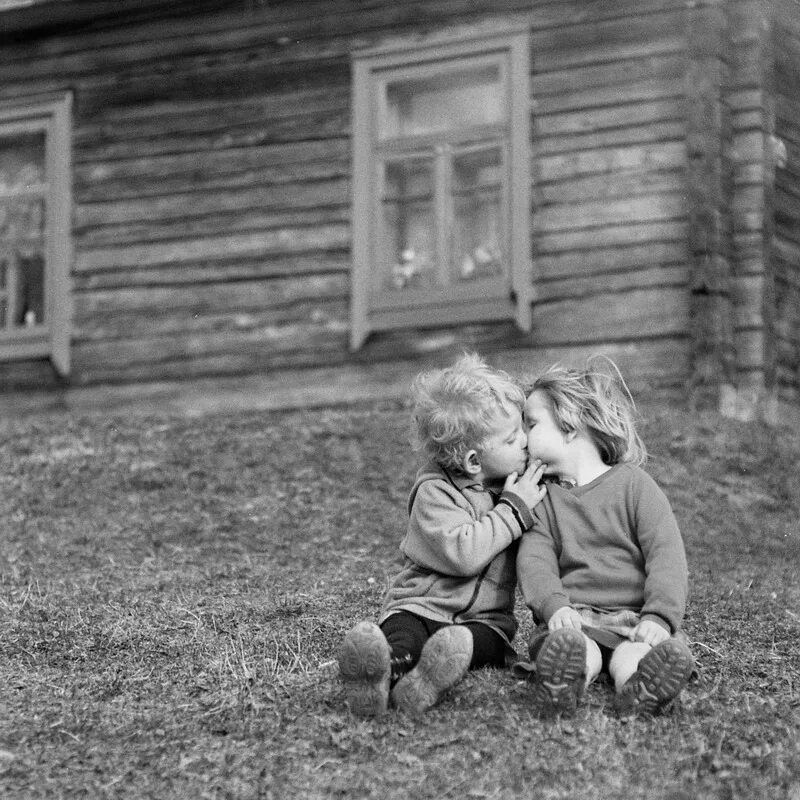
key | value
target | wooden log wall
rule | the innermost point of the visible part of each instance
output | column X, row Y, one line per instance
column 785, row 166
column 609, row 218
column 212, row 179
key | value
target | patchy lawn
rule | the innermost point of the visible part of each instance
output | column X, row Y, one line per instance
column 173, row 592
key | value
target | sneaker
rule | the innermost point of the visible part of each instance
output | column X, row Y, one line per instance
column 560, row 673
column 444, row 661
column 365, row 668
column 661, row 676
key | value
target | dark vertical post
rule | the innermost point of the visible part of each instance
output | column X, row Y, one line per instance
column 712, row 351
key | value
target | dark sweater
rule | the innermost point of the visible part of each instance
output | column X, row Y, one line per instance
column 611, row 544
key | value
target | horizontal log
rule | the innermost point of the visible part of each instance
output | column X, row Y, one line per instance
column 610, row 161
column 748, row 198
column 747, row 294
column 286, row 241
column 214, row 297
column 622, row 281
column 198, row 227
column 308, row 124
column 610, row 235
column 748, row 220
column 752, row 174
column 750, row 345
column 596, row 262
column 208, row 114
column 162, row 210
column 609, row 186
column 575, row 215
column 597, row 119
column 575, row 96
column 210, row 170
column 655, row 132
column 787, row 249
column 743, row 101
column 99, row 327
column 201, row 353
column 220, row 270
column 642, row 312
column 746, row 65
column 563, row 82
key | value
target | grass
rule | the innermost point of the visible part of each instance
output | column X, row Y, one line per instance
column 172, row 593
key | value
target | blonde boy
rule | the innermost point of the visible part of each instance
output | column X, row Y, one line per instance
column 450, row 608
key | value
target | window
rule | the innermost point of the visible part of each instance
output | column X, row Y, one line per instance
column 35, row 230
column 441, row 182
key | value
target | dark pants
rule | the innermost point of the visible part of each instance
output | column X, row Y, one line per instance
column 407, row 634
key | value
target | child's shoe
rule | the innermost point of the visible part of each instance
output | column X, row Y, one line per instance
column 365, row 667
column 444, row 661
column 662, row 674
column 560, row 673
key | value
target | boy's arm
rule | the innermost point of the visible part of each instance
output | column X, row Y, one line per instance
column 443, row 534
column 666, row 581
column 538, row 570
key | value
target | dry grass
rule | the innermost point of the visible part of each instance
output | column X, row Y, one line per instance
column 173, row 592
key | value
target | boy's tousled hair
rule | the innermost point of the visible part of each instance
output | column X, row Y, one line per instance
column 455, row 408
column 597, row 403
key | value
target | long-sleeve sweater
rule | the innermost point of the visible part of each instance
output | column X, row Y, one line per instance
column 611, row 544
column 459, row 560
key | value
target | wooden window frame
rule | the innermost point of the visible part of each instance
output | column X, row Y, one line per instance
column 51, row 115
column 470, row 45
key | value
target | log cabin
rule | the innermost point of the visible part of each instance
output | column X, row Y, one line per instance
column 225, row 187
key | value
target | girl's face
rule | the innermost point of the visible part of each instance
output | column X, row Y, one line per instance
column 546, row 441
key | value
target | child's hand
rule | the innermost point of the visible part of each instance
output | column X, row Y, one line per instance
column 526, row 486
column 650, row 633
column 565, row 617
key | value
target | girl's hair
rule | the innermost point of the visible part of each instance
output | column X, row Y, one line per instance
column 597, row 403
column 455, row 409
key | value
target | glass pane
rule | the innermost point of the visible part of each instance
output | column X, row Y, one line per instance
column 478, row 239
column 22, row 161
column 21, row 217
column 450, row 100
column 408, row 243
column 22, row 228
column 29, row 299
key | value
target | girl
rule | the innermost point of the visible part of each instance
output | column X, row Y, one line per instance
column 603, row 567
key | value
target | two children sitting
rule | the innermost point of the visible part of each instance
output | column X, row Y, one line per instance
column 596, row 550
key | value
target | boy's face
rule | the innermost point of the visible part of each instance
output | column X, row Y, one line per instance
column 504, row 449
column 546, row 440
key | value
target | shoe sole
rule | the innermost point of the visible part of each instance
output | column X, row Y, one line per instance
column 660, row 677
column 560, row 669
column 365, row 668
column 444, row 661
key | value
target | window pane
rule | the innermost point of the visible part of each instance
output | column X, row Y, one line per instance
column 478, row 236
column 29, row 301
column 408, row 231
column 22, row 227
column 22, row 161
column 451, row 100
column 21, row 218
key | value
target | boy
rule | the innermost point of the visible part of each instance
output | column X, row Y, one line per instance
column 450, row 608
